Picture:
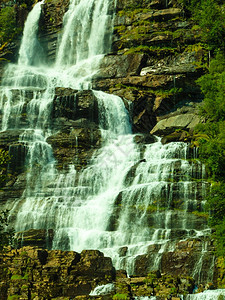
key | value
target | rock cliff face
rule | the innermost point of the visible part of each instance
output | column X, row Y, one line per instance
column 32, row 273
column 155, row 59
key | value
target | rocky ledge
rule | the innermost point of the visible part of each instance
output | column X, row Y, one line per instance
column 34, row 273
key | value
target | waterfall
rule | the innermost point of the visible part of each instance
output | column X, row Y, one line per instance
column 29, row 50
column 129, row 197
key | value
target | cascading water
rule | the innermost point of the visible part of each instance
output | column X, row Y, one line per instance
column 128, row 197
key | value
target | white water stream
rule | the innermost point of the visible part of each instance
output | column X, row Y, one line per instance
column 124, row 200
column 208, row 295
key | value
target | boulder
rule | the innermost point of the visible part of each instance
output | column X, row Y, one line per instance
column 117, row 66
column 143, row 117
column 183, row 121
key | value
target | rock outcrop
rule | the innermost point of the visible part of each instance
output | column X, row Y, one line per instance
column 155, row 62
column 33, row 273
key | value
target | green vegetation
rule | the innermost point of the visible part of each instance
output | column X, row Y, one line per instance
column 10, row 23
column 210, row 138
column 14, row 297
column 6, row 236
column 8, row 27
column 211, row 18
column 121, row 296
column 16, row 277
column 159, row 52
column 209, row 15
column 4, row 159
column 221, row 272
column 212, row 142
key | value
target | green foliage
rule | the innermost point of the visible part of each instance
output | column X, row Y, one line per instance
column 212, row 142
column 212, row 148
column 211, row 18
column 213, row 88
column 4, row 159
column 216, row 204
column 120, row 296
column 221, row 272
column 14, row 297
column 6, row 237
column 220, row 238
column 16, row 277
column 7, row 24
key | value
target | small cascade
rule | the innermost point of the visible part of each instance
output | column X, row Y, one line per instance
column 208, row 295
column 30, row 49
column 103, row 289
column 86, row 37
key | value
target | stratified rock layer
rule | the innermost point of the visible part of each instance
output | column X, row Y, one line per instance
column 32, row 273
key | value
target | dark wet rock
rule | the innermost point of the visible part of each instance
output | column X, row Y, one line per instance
column 13, row 189
column 117, row 66
column 35, row 237
column 75, row 146
column 9, row 137
column 144, row 139
column 182, row 261
column 51, row 23
column 185, row 258
column 72, row 104
column 123, row 251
